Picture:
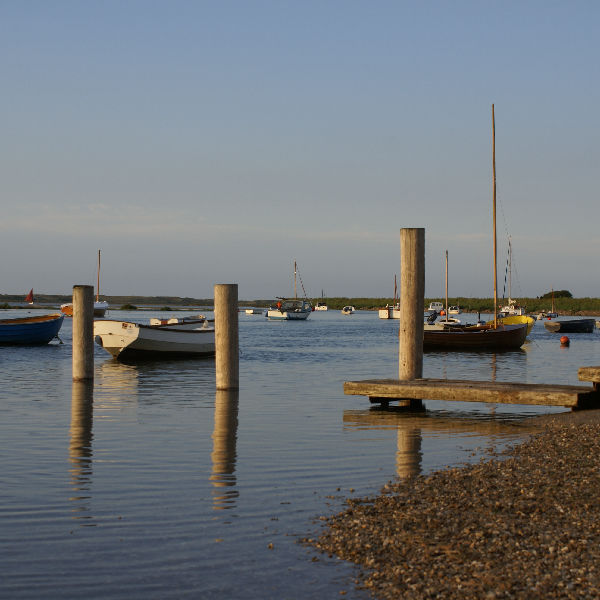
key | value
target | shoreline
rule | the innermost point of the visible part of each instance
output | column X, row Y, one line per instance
column 524, row 523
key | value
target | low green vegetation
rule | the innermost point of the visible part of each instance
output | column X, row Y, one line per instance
column 564, row 305
column 557, row 294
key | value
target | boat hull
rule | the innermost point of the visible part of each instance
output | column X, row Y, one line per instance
column 571, row 326
column 133, row 341
column 290, row 310
column 506, row 337
column 30, row 331
column 100, row 309
column 277, row 315
column 516, row 320
column 389, row 313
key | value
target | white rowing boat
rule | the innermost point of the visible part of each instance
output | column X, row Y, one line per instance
column 133, row 341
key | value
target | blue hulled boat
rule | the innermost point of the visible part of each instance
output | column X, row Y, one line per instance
column 30, row 331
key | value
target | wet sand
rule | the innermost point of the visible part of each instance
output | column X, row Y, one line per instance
column 523, row 524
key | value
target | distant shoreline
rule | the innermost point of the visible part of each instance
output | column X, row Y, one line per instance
column 563, row 306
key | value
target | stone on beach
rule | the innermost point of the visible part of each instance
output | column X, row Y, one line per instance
column 522, row 525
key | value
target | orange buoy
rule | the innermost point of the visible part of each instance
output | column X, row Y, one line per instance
column 564, row 341
column 442, row 313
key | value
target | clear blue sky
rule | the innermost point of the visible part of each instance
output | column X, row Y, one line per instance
column 216, row 142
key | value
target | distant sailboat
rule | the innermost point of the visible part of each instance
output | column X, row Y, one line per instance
column 496, row 336
column 291, row 310
column 100, row 306
column 29, row 297
column 391, row 311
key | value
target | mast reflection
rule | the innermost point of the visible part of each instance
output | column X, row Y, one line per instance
column 80, row 446
column 224, row 451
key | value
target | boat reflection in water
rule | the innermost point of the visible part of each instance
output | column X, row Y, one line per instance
column 80, row 448
column 224, row 452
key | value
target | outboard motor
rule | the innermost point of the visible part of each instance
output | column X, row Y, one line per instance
column 432, row 317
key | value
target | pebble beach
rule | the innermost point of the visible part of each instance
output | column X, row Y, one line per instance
column 521, row 524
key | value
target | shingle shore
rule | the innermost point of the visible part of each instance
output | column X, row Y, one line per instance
column 523, row 525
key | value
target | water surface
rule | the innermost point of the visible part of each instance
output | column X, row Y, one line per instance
column 152, row 484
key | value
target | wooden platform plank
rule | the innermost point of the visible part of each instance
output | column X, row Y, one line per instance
column 504, row 392
column 589, row 374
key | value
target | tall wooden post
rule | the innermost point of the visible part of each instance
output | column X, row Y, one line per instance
column 412, row 298
column 83, row 332
column 227, row 347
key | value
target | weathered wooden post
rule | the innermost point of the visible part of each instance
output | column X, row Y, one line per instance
column 227, row 347
column 83, row 332
column 412, row 298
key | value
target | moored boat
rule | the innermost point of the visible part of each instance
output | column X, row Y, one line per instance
column 126, row 340
column 321, row 306
column 289, row 310
column 511, row 308
column 348, row 310
column 494, row 337
column 570, row 325
column 476, row 337
column 391, row 311
column 191, row 322
column 30, row 331
column 100, row 308
column 436, row 307
column 516, row 320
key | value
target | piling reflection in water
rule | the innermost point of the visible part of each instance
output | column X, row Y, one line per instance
column 412, row 427
column 408, row 453
column 80, row 446
column 224, row 451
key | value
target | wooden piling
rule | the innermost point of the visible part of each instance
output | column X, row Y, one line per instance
column 83, row 332
column 226, row 336
column 412, row 298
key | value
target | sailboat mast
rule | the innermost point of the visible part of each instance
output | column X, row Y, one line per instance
column 509, row 270
column 494, row 218
column 295, row 293
column 446, row 285
column 98, row 281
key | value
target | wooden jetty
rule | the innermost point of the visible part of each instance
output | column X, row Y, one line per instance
column 411, row 392
column 590, row 374
column 411, row 388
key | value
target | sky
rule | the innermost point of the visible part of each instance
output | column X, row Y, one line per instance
column 199, row 142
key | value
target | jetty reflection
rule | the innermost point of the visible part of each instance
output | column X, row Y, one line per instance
column 80, row 446
column 224, row 452
column 410, row 428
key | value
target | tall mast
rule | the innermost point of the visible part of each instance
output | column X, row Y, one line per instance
column 98, row 282
column 509, row 270
column 295, row 294
column 446, row 285
column 494, row 213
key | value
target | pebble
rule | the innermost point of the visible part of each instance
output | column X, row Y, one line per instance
column 525, row 524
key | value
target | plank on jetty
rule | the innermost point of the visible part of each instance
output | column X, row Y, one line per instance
column 378, row 390
column 590, row 374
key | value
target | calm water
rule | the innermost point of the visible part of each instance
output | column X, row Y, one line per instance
column 154, row 485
